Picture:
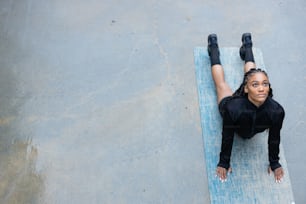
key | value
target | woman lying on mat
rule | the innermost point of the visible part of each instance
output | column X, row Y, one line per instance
column 247, row 111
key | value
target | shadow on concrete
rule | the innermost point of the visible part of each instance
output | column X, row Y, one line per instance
column 20, row 182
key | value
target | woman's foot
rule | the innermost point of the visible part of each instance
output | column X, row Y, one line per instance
column 213, row 48
column 246, row 43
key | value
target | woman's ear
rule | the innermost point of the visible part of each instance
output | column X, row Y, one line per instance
column 246, row 90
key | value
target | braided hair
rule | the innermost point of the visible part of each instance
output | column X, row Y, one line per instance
column 240, row 90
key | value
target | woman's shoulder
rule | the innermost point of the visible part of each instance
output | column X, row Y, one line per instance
column 273, row 103
column 275, row 106
column 236, row 102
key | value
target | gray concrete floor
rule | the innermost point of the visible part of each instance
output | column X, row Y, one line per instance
column 99, row 101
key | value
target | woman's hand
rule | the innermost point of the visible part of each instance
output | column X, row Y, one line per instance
column 278, row 174
column 222, row 173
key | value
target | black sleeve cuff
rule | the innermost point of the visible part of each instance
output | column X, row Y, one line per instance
column 224, row 165
column 275, row 165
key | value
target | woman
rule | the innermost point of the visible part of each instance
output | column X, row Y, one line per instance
column 247, row 111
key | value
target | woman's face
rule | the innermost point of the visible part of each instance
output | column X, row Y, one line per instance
column 257, row 87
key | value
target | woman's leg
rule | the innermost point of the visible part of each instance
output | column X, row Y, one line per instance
column 248, row 66
column 223, row 89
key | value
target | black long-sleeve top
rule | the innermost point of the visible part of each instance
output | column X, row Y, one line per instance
column 246, row 119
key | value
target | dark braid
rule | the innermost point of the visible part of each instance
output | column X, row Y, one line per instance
column 240, row 90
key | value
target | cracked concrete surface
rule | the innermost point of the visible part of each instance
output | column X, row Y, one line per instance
column 99, row 101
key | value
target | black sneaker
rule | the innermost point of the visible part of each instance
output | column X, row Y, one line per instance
column 246, row 43
column 212, row 43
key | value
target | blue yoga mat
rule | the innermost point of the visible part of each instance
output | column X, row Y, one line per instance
column 249, row 182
